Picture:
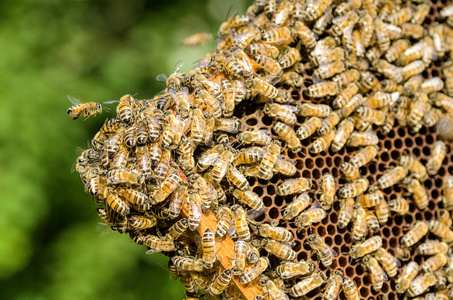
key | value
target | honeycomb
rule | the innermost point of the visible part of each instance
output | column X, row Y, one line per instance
column 399, row 141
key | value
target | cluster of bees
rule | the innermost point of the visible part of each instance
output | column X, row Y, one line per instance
column 164, row 164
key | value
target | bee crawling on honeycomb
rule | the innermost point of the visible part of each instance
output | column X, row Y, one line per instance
column 300, row 158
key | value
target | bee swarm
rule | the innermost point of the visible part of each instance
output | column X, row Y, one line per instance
column 301, row 158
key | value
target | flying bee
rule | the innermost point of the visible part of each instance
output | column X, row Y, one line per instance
column 447, row 190
column 438, row 153
column 220, row 282
column 323, row 89
column 276, row 233
column 346, row 212
column 432, row 247
column 329, row 70
column 194, row 210
column 118, row 205
column 370, row 199
column 250, row 199
column 359, row 227
column 299, row 204
column 441, row 230
column 322, row 143
column 288, row 269
column 333, row 286
column 418, row 191
column 83, row 109
column 408, row 273
column 288, row 135
column 303, row 287
column 417, row 169
column 421, row 284
column 314, row 214
column 242, row 228
column 240, row 254
column 252, row 272
column 345, row 95
column 280, row 35
column 399, row 205
column 382, row 35
column 350, row 172
column 415, row 234
column 391, row 177
column 263, row 49
column 285, row 113
column 343, row 23
column 377, row 274
column 293, row 186
column 350, row 289
column 324, row 252
column 368, row 246
column 353, row 189
column 308, row 128
column 280, row 250
column 264, row 88
column 328, row 189
column 197, row 39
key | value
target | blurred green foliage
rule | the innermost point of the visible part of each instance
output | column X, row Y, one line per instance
column 51, row 245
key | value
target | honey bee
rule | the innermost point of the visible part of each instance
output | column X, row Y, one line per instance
column 124, row 109
column 388, row 261
column 250, row 199
column 124, row 176
column 213, row 106
column 328, row 189
column 346, row 212
column 417, row 169
column 194, row 210
column 322, row 22
column 329, row 70
column 382, row 35
column 264, row 88
column 188, row 264
column 240, row 254
column 420, row 13
column 249, row 155
column 308, row 128
column 242, row 228
column 136, row 198
column 306, row 36
column 291, row 78
column 345, row 95
column 326, row 56
column 351, row 105
column 280, row 250
column 399, row 205
column 371, row 221
column 377, row 274
column 288, row 135
column 221, row 282
column 314, row 214
column 252, row 272
column 323, row 89
column 284, row 167
column 169, row 184
column 408, row 274
column 256, row 137
column 285, row 113
column 392, row 176
column 432, row 85
column 412, row 69
column 396, row 49
column 350, row 289
column 197, row 39
column 333, row 286
column 353, row 189
column 308, row 284
column 208, row 243
column 439, row 295
column 299, row 204
column 230, row 125
column 289, row 58
column 224, row 224
column 280, row 35
column 441, row 230
column 324, row 252
column 371, row 199
column 447, row 190
column 243, row 39
column 444, row 217
column 270, row 157
column 83, row 109
column 347, row 77
column 418, row 191
column 263, row 49
column 359, row 227
column 432, row 247
column 314, row 110
column 438, row 153
column 350, row 172
column 432, row 117
column 343, row 23
column 220, row 167
column 142, row 222
column 421, row 284
column 276, row 233
column 156, row 244
column 415, row 234
column 293, row 186
column 288, row 269
column 179, row 198
column 177, row 229
column 368, row 246
column 322, row 143
column 253, row 255
column 237, row 179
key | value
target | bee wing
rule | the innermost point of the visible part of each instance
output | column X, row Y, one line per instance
column 162, row 78
column 232, row 229
column 152, row 251
column 178, row 65
column 334, row 253
column 253, row 213
column 74, row 100
column 291, row 108
column 173, row 95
